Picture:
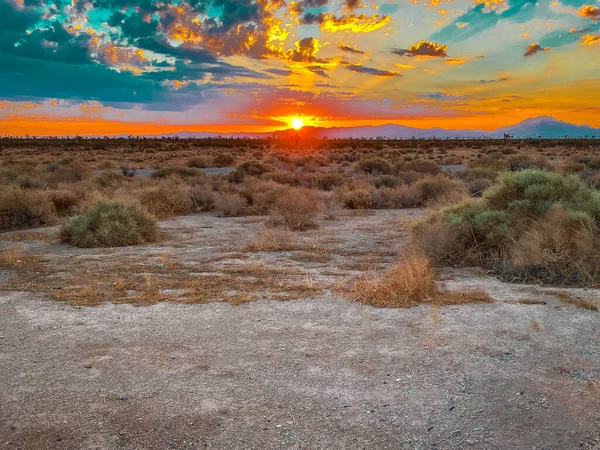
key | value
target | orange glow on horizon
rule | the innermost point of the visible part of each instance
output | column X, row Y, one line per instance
column 36, row 125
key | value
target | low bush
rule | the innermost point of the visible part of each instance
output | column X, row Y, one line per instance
column 230, row 204
column 375, row 165
column 22, row 208
column 72, row 172
column 357, row 196
column 163, row 200
column 110, row 224
column 63, row 201
column 198, row 162
column 421, row 166
column 296, row 209
column 248, row 169
column 532, row 224
column 224, row 160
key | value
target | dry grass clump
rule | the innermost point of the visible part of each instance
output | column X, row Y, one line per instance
column 411, row 282
column 163, row 199
column 297, row 209
column 263, row 194
column 532, row 224
column 110, row 224
column 198, row 162
column 71, row 172
column 578, row 302
column 230, row 204
column 21, row 208
column 355, row 196
column 273, row 240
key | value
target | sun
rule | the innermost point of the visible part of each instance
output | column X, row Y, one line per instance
column 297, row 123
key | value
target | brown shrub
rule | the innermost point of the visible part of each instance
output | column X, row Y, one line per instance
column 198, row 162
column 566, row 246
column 64, row 201
column 405, row 196
column 202, row 197
column 71, row 172
column 358, row 196
column 263, row 194
column 161, row 198
column 20, row 208
column 439, row 188
column 230, row 204
column 422, row 166
column 296, row 209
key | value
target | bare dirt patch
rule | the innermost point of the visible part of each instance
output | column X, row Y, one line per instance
column 211, row 361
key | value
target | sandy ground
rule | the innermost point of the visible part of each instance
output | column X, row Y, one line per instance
column 316, row 372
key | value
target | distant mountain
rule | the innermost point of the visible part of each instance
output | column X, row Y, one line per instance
column 546, row 127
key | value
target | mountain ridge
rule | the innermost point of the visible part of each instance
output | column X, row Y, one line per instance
column 535, row 127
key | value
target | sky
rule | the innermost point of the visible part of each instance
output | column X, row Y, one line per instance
column 113, row 67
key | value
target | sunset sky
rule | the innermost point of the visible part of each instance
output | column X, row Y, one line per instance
column 105, row 67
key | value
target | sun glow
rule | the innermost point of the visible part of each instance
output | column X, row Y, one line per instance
column 297, row 123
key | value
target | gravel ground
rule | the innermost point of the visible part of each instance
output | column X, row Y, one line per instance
column 314, row 373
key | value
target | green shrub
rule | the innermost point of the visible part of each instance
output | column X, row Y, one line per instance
column 110, row 224
column 530, row 224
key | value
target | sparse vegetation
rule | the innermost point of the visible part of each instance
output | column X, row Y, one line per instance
column 411, row 282
column 531, row 224
column 23, row 208
column 110, row 224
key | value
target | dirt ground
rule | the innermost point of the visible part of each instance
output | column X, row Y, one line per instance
column 186, row 371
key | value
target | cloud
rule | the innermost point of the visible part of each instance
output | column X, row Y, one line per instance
column 534, row 48
column 345, row 48
column 371, row 71
column 352, row 4
column 496, row 80
column 440, row 96
column 318, row 70
column 590, row 39
column 481, row 18
column 284, row 72
column 591, row 12
column 423, row 48
column 355, row 23
column 305, row 50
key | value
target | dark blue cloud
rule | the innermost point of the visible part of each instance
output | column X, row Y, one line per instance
column 440, row 96
column 372, row 71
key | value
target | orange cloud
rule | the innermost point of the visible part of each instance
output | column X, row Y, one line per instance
column 305, row 50
column 491, row 5
column 357, row 24
column 591, row 12
column 589, row 39
column 346, row 48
